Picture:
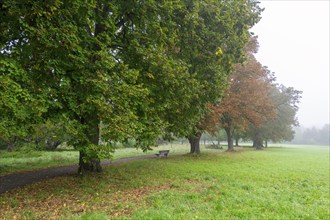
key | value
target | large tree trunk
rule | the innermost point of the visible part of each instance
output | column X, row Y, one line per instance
column 90, row 162
column 257, row 141
column 86, row 163
column 194, row 143
column 229, row 132
column 257, row 144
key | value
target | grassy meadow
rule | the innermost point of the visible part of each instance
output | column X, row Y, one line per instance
column 276, row 183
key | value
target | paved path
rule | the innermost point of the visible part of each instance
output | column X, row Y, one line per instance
column 16, row 180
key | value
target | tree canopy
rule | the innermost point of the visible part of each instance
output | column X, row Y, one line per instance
column 281, row 127
column 117, row 70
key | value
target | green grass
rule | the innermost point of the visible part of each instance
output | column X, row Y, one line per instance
column 277, row 183
column 11, row 162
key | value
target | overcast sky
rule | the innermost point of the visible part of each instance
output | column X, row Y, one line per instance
column 294, row 43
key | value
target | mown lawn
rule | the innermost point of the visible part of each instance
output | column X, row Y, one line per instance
column 277, row 183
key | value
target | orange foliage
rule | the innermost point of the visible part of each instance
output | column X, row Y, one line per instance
column 246, row 100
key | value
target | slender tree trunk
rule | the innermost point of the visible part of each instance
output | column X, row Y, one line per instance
column 11, row 145
column 229, row 132
column 90, row 162
column 194, row 141
column 266, row 143
column 236, row 141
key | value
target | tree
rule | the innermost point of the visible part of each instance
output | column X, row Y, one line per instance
column 280, row 128
column 247, row 101
column 75, row 56
column 212, row 35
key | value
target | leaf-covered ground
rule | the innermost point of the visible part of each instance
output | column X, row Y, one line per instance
column 277, row 183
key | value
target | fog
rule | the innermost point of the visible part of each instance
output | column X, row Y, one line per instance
column 294, row 43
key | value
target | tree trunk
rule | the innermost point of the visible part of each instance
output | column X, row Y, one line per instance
column 87, row 163
column 194, row 143
column 236, row 141
column 266, row 143
column 257, row 141
column 90, row 162
column 11, row 145
column 230, row 142
column 257, row 144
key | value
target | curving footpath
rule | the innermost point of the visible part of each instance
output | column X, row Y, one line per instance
column 16, row 180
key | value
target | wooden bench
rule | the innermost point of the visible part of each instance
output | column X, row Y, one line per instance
column 163, row 153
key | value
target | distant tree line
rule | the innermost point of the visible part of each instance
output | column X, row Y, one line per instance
column 312, row 136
